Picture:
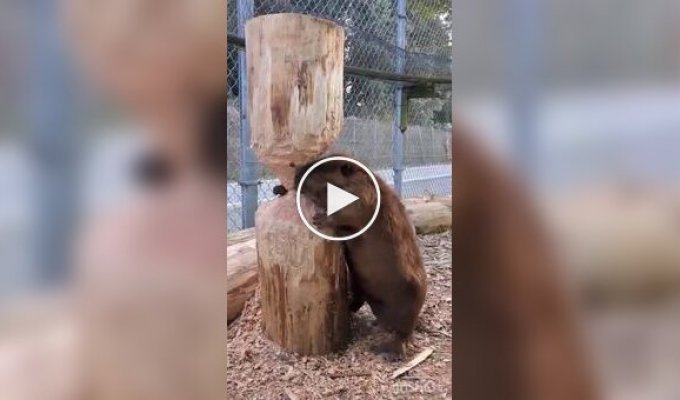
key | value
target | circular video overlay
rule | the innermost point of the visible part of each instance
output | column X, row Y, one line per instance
column 337, row 199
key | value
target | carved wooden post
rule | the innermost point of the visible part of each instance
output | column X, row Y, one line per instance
column 295, row 82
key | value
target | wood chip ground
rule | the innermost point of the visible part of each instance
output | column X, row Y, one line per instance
column 260, row 370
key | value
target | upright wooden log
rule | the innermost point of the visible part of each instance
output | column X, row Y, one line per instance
column 295, row 81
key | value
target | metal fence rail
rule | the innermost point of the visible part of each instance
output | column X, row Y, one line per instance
column 390, row 45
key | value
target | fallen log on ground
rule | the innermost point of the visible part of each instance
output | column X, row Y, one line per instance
column 241, row 274
column 428, row 216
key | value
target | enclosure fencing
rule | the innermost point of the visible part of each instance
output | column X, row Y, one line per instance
column 397, row 100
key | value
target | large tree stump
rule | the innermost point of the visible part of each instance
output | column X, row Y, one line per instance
column 295, row 81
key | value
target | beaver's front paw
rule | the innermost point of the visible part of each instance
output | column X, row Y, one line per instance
column 391, row 350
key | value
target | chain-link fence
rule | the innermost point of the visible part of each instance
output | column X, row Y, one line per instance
column 390, row 45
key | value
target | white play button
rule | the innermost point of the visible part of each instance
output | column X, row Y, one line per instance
column 337, row 198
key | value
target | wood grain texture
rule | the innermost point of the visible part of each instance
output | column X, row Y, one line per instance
column 295, row 82
column 295, row 100
column 303, row 282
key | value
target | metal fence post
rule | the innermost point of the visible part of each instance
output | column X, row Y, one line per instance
column 52, row 140
column 248, row 162
column 397, row 133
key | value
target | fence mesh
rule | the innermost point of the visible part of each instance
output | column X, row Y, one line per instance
column 371, row 30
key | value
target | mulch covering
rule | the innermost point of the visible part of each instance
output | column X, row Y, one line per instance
column 259, row 369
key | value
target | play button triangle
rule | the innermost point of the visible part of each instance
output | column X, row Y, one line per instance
column 337, row 198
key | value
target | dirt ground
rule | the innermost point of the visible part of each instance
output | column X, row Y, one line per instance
column 259, row 369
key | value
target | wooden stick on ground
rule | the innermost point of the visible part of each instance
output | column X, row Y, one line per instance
column 422, row 356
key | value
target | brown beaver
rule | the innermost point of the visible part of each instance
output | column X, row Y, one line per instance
column 515, row 331
column 384, row 263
